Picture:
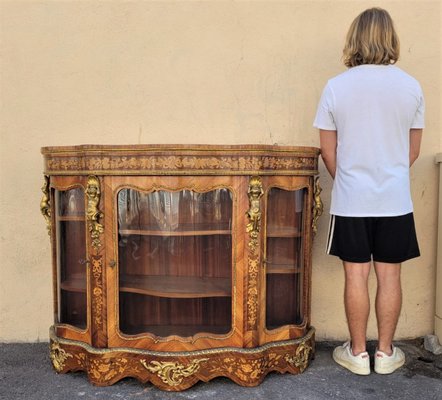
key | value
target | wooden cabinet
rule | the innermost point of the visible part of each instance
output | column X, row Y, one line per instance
column 174, row 264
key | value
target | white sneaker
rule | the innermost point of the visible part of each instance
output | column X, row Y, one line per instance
column 384, row 364
column 359, row 364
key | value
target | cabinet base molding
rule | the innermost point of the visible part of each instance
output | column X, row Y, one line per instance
column 175, row 371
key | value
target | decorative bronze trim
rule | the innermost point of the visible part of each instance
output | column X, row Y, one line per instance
column 255, row 192
column 93, row 215
column 58, row 356
column 301, row 357
column 45, row 204
column 165, row 354
column 173, row 373
column 318, row 207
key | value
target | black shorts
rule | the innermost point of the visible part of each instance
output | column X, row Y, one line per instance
column 385, row 239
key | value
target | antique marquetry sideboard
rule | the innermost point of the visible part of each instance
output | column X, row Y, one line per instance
column 174, row 264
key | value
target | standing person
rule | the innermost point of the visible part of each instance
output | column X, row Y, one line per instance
column 370, row 120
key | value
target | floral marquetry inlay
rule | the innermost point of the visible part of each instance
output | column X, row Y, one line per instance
column 98, row 291
column 178, row 162
column 104, row 370
column 249, row 369
column 175, row 160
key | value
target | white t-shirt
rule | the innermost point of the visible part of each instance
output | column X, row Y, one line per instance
column 372, row 108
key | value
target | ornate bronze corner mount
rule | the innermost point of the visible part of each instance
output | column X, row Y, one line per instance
column 172, row 373
column 93, row 214
column 58, row 356
column 45, row 206
column 301, row 357
column 318, row 207
column 255, row 193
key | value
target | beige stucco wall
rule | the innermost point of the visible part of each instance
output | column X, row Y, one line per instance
column 188, row 72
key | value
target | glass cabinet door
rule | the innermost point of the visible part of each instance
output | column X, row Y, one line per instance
column 175, row 262
column 71, row 257
column 284, row 257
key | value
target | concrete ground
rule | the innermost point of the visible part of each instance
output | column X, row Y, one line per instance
column 26, row 373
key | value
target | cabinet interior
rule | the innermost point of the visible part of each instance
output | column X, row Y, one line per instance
column 175, row 261
column 284, row 257
column 71, row 260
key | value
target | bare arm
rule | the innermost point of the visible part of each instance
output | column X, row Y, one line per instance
column 415, row 144
column 329, row 141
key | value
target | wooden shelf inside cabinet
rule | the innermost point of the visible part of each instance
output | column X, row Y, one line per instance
column 74, row 284
column 283, row 232
column 177, row 330
column 282, row 269
column 128, row 232
column 181, row 230
column 79, row 218
column 176, row 286
column 280, row 264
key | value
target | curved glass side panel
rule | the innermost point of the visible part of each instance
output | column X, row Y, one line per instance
column 284, row 257
column 175, row 262
column 71, row 257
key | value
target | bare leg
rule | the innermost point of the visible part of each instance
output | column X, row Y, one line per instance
column 357, row 303
column 388, row 302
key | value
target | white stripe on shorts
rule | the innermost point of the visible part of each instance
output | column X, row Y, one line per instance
column 331, row 229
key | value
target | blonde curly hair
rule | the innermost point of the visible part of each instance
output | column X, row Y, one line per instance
column 371, row 39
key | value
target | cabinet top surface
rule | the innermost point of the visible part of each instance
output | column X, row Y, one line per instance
column 180, row 159
column 178, row 148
